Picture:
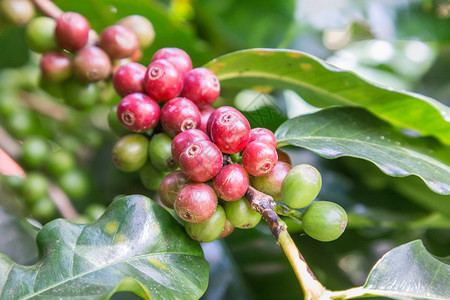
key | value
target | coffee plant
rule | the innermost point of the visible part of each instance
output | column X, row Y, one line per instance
column 233, row 150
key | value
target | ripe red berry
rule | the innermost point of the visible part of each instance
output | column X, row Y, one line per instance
column 163, row 81
column 263, row 135
column 230, row 131
column 195, row 202
column 259, row 158
column 178, row 57
column 201, row 161
column 138, row 112
column 55, row 66
column 201, row 86
column 231, row 183
column 118, row 41
column 129, row 79
column 185, row 139
column 272, row 181
column 71, row 31
column 178, row 115
column 216, row 113
column 91, row 64
column 227, row 230
column 205, row 113
column 170, row 186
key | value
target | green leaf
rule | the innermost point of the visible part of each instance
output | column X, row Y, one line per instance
column 135, row 246
column 409, row 272
column 350, row 131
column 323, row 85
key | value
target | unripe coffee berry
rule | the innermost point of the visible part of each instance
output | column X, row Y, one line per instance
column 178, row 115
column 201, row 86
column 272, row 181
column 114, row 124
column 91, row 64
column 169, row 187
column 263, row 135
column 195, row 202
column 138, row 112
column 130, row 152
column 71, row 31
column 40, row 35
column 230, row 130
column 129, row 78
column 227, row 230
column 283, row 156
column 142, row 27
column 185, row 139
column 301, row 186
column 205, row 113
column 17, row 12
column 240, row 214
column 324, row 221
column 35, row 151
column 55, row 67
column 231, row 183
column 151, row 177
column 118, row 41
column 160, row 152
column 163, row 81
column 208, row 230
column 80, row 95
column 177, row 57
column 259, row 158
column 201, row 161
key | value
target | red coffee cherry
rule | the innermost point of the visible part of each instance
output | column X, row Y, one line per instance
column 272, row 181
column 55, row 66
column 227, row 230
column 231, row 183
column 263, row 135
column 216, row 113
column 178, row 57
column 195, row 202
column 205, row 113
column 230, row 131
column 118, row 41
column 163, row 81
column 138, row 112
column 178, row 115
column 201, row 161
column 91, row 64
column 170, row 186
column 129, row 79
column 259, row 158
column 71, row 31
column 201, row 86
column 185, row 139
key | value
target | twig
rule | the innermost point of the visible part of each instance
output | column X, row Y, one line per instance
column 48, row 8
column 285, row 210
column 62, row 202
column 9, row 144
column 44, row 106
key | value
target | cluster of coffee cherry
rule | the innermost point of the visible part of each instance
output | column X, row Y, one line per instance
column 200, row 159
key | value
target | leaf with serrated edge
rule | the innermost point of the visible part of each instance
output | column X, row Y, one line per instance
column 349, row 131
column 135, row 246
column 323, row 85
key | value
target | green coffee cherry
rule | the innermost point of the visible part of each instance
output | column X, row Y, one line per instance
column 209, row 230
column 160, row 152
column 130, row 152
column 240, row 214
column 114, row 123
column 35, row 151
column 60, row 161
column 40, row 35
column 74, row 183
column 80, row 95
column 14, row 182
column 301, row 186
column 95, row 211
column 43, row 209
column 151, row 177
column 8, row 102
column 17, row 12
column 22, row 123
column 35, row 186
column 324, row 221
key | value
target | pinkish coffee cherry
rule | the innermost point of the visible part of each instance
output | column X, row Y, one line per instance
column 138, row 112
column 201, row 161
column 205, row 113
column 178, row 57
column 231, row 183
column 163, row 81
column 91, row 64
column 118, row 41
column 201, row 86
column 129, row 79
column 178, row 115
column 259, row 158
column 263, row 135
column 185, row 139
column 169, row 187
column 55, row 67
column 272, row 181
column 195, row 202
column 71, row 31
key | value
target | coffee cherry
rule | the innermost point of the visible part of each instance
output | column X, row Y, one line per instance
column 231, row 183
column 129, row 78
column 114, row 124
column 160, row 152
column 35, row 151
column 178, row 115
column 80, row 95
column 55, row 67
column 35, row 186
column 177, row 57
column 118, row 41
column 227, row 230
column 60, row 161
column 170, row 186
column 240, row 214
column 151, row 177
column 263, row 135
column 40, row 35
column 185, row 139
column 201, row 161
column 301, row 186
column 259, row 158
column 93, row 38
column 272, row 181
column 43, row 209
column 142, row 27
column 75, row 183
column 195, row 202
column 138, row 112
column 205, row 113
column 208, row 230
column 94, row 211
column 283, row 156
column 130, row 152
column 163, row 81
column 17, row 12
column 91, row 64
column 72, row 31
column 201, row 86
column 324, row 221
